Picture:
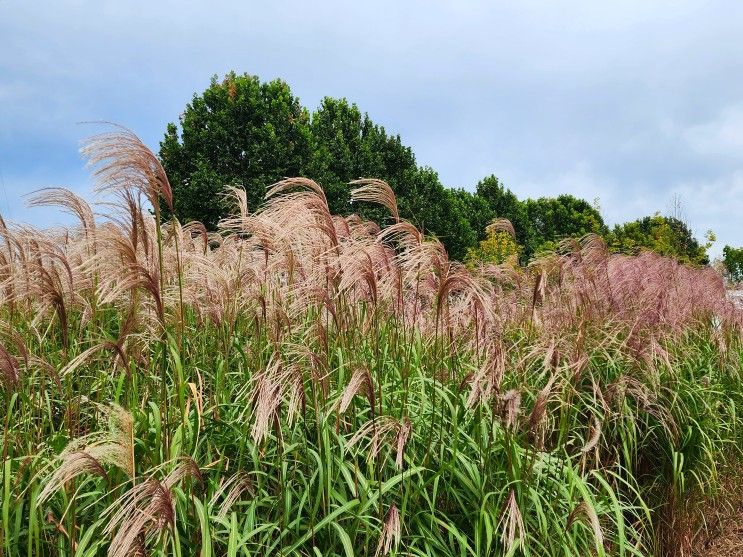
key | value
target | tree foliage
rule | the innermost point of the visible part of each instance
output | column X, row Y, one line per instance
column 732, row 258
column 244, row 132
column 437, row 210
column 564, row 216
column 539, row 223
column 664, row 235
column 238, row 132
column 497, row 248
column 347, row 145
column 500, row 202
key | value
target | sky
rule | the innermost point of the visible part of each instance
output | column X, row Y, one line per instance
column 633, row 103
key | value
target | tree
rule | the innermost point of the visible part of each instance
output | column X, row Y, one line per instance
column 501, row 203
column 243, row 132
column 498, row 247
column 436, row 210
column 732, row 258
column 238, row 132
column 564, row 216
column 347, row 145
column 665, row 235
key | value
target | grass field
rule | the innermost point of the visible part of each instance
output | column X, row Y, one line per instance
column 306, row 384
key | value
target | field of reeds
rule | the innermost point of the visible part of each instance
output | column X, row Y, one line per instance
column 306, row 384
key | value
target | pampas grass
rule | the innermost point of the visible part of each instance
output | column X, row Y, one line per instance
column 300, row 383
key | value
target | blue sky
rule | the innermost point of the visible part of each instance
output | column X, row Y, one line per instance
column 633, row 102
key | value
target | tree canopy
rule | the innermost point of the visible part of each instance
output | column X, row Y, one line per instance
column 500, row 202
column 244, row 132
column 664, row 235
column 732, row 258
column 497, row 248
column 347, row 145
column 564, row 216
column 238, row 132
column 539, row 223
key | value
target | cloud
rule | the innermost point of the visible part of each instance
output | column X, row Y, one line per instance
column 580, row 180
column 723, row 136
column 715, row 205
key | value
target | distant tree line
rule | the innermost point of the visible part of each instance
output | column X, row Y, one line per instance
column 245, row 132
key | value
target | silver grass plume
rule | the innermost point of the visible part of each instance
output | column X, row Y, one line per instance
column 88, row 454
column 391, row 532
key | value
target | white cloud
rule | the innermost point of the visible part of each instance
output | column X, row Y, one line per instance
column 722, row 136
column 715, row 205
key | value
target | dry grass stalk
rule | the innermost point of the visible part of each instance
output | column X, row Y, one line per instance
column 376, row 191
column 487, row 380
column 88, row 454
column 123, row 163
column 594, row 438
column 234, row 487
column 384, row 431
column 146, row 510
column 9, row 368
column 360, row 382
column 270, row 386
column 586, row 512
column 501, row 225
column 511, row 401
column 141, row 513
column 74, row 464
column 539, row 411
column 391, row 532
column 511, row 523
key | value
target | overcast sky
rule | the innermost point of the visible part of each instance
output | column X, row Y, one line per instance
column 631, row 102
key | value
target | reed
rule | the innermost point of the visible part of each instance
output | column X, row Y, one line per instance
column 301, row 383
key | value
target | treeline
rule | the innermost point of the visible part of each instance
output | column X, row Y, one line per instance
column 242, row 131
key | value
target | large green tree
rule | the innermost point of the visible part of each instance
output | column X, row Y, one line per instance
column 347, row 145
column 244, row 132
column 238, row 132
column 498, row 202
column 437, row 210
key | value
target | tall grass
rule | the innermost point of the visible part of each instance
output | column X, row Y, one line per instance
column 306, row 384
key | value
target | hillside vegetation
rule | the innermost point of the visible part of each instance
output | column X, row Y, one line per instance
column 303, row 383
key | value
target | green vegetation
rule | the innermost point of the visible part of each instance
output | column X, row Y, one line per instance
column 664, row 235
column 499, row 247
column 302, row 383
column 733, row 261
column 562, row 217
column 241, row 132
